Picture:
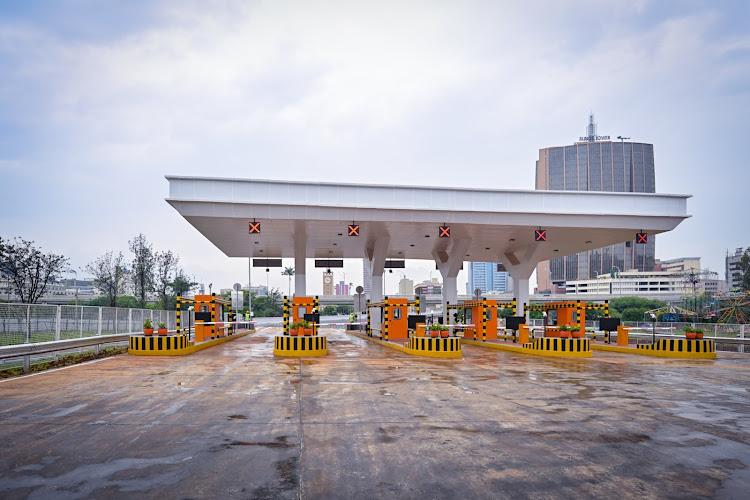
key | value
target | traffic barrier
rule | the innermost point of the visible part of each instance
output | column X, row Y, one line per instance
column 435, row 347
column 680, row 348
column 560, row 347
column 315, row 345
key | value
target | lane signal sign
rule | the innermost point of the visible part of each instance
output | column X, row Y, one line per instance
column 641, row 238
column 353, row 230
column 540, row 235
column 254, row 228
column 445, row 232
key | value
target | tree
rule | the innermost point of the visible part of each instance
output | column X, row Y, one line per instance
column 108, row 272
column 181, row 284
column 329, row 311
column 268, row 305
column 28, row 269
column 143, row 267
column 288, row 271
column 165, row 267
column 344, row 309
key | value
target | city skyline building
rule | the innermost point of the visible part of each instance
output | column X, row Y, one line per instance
column 327, row 283
column 366, row 277
column 486, row 277
column 732, row 272
column 596, row 163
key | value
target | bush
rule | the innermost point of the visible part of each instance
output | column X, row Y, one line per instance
column 147, row 324
column 161, row 325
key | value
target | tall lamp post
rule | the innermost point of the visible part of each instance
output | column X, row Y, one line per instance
column 76, row 283
column 612, row 274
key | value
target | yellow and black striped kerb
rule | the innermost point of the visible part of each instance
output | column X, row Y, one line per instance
column 682, row 348
column 417, row 301
column 315, row 345
column 435, row 347
column 560, row 347
column 159, row 344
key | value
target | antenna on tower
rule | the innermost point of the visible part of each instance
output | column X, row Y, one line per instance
column 591, row 128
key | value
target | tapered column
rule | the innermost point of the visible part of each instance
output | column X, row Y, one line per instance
column 300, row 256
column 449, row 262
column 520, row 269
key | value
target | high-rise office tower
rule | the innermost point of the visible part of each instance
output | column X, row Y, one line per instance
column 366, row 278
column 596, row 163
column 486, row 277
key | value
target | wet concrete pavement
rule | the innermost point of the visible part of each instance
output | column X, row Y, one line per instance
column 370, row 422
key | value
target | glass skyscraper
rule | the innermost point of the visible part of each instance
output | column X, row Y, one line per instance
column 597, row 164
column 486, row 277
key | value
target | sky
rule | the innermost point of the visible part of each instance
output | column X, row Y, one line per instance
column 100, row 99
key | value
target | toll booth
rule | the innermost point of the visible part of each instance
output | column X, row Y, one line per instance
column 480, row 313
column 566, row 314
column 209, row 317
column 297, row 308
column 394, row 314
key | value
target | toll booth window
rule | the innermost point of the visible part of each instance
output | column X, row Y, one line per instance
column 301, row 311
column 468, row 316
column 575, row 317
column 204, row 309
column 552, row 317
column 488, row 315
column 396, row 313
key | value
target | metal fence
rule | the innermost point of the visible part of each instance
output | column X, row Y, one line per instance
column 32, row 323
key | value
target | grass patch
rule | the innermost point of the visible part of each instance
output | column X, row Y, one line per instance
column 63, row 360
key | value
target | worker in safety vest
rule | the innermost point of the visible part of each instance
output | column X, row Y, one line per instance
column 247, row 318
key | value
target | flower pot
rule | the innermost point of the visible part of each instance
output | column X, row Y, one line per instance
column 308, row 331
column 444, row 333
column 148, row 332
column 699, row 335
column 434, row 334
column 294, row 332
column 565, row 334
column 162, row 331
column 690, row 335
column 578, row 335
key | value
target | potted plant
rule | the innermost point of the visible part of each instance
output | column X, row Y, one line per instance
column 690, row 332
column 296, row 328
column 438, row 330
column 698, row 333
column 307, row 327
column 161, row 328
column 148, row 327
column 564, row 331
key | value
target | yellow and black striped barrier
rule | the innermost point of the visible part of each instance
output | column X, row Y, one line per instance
column 560, row 347
column 315, row 345
column 680, row 348
column 172, row 345
column 435, row 347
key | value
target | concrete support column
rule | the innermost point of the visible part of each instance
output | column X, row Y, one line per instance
column 300, row 256
column 520, row 270
column 250, row 286
column 449, row 263
column 375, row 255
column 521, row 293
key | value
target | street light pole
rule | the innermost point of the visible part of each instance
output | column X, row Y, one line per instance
column 76, row 284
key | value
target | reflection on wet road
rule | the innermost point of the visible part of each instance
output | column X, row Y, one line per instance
column 368, row 421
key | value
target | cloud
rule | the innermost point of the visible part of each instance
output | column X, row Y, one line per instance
column 419, row 92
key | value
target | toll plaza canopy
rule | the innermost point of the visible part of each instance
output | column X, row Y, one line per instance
column 516, row 227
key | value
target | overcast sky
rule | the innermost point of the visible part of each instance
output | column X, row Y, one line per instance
column 100, row 99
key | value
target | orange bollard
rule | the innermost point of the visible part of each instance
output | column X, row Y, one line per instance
column 199, row 331
column 523, row 334
column 622, row 335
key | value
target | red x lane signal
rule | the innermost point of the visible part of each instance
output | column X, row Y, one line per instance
column 353, row 230
column 445, row 232
column 540, row 235
column 641, row 238
column 254, row 228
